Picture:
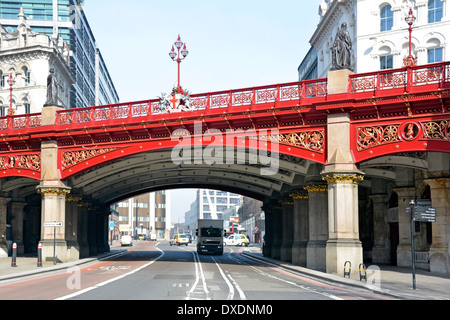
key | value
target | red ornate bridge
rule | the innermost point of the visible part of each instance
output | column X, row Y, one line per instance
column 329, row 130
column 391, row 111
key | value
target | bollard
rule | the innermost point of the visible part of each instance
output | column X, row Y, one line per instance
column 361, row 275
column 39, row 262
column 14, row 255
column 347, row 273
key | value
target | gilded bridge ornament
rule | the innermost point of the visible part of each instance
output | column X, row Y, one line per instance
column 374, row 136
column 45, row 191
column 309, row 140
column 29, row 162
column 316, row 188
column 299, row 196
column 343, row 178
column 72, row 158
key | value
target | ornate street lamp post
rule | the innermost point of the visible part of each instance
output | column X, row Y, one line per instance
column 11, row 82
column 410, row 60
column 182, row 54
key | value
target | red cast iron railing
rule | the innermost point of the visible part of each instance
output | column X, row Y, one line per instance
column 377, row 82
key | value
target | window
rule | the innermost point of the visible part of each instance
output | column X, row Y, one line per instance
column 26, row 76
column 387, row 18
column 386, row 62
column 434, row 55
column 2, row 80
column 435, row 11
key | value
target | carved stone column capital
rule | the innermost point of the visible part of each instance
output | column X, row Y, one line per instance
column 299, row 195
column 343, row 178
column 316, row 188
column 53, row 191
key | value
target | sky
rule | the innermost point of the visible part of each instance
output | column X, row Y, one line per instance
column 232, row 44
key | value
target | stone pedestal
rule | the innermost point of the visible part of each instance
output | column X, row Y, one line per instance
column 338, row 81
column 54, row 210
column 343, row 224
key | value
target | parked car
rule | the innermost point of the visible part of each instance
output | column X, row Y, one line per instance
column 126, row 241
column 179, row 239
column 236, row 240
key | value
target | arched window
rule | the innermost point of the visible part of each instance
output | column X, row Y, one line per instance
column 387, row 18
column 26, row 76
column 435, row 52
column 386, row 58
column 2, row 80
column 435, row 10
column 26, row 105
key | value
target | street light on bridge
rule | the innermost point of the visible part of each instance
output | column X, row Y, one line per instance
column 182, row 54
column 410, row 19
column 11, row 82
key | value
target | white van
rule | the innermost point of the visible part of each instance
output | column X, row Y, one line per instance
column 126, row 241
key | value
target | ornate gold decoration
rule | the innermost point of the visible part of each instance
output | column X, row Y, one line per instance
column 316, row 188
column 286, row 202
column 309, row 140
column 73, row 198
column 45, row 191
column 343, row 178
column 27, row 161
column 369, row 137
column 299, row 196
column 374, row 136
column 72, row 158
column 437, row 130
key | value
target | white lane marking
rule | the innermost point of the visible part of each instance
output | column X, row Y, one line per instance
column 230, row 284
column 331, row 296
column 198, row 274
column 112, row 280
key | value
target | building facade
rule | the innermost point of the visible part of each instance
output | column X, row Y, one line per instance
column 210, row 204
column 146, row 214
column 26, row 57
column 63, row 18
column 380, row 39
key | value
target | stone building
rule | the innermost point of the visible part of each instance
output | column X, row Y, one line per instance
column 27, row 57
column 380, row 40
column 379, row 36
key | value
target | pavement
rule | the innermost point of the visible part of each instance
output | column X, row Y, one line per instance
column 396, row 282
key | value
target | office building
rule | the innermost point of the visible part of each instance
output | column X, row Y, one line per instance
column 64, row 18
column 145, row 215
column 25, row 60
column 210, row 204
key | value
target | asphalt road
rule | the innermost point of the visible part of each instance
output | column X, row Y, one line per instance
column 157, row 271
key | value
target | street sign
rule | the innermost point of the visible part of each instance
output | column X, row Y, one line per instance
column 423, row 214
column 53, row 224
column 424, row 203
